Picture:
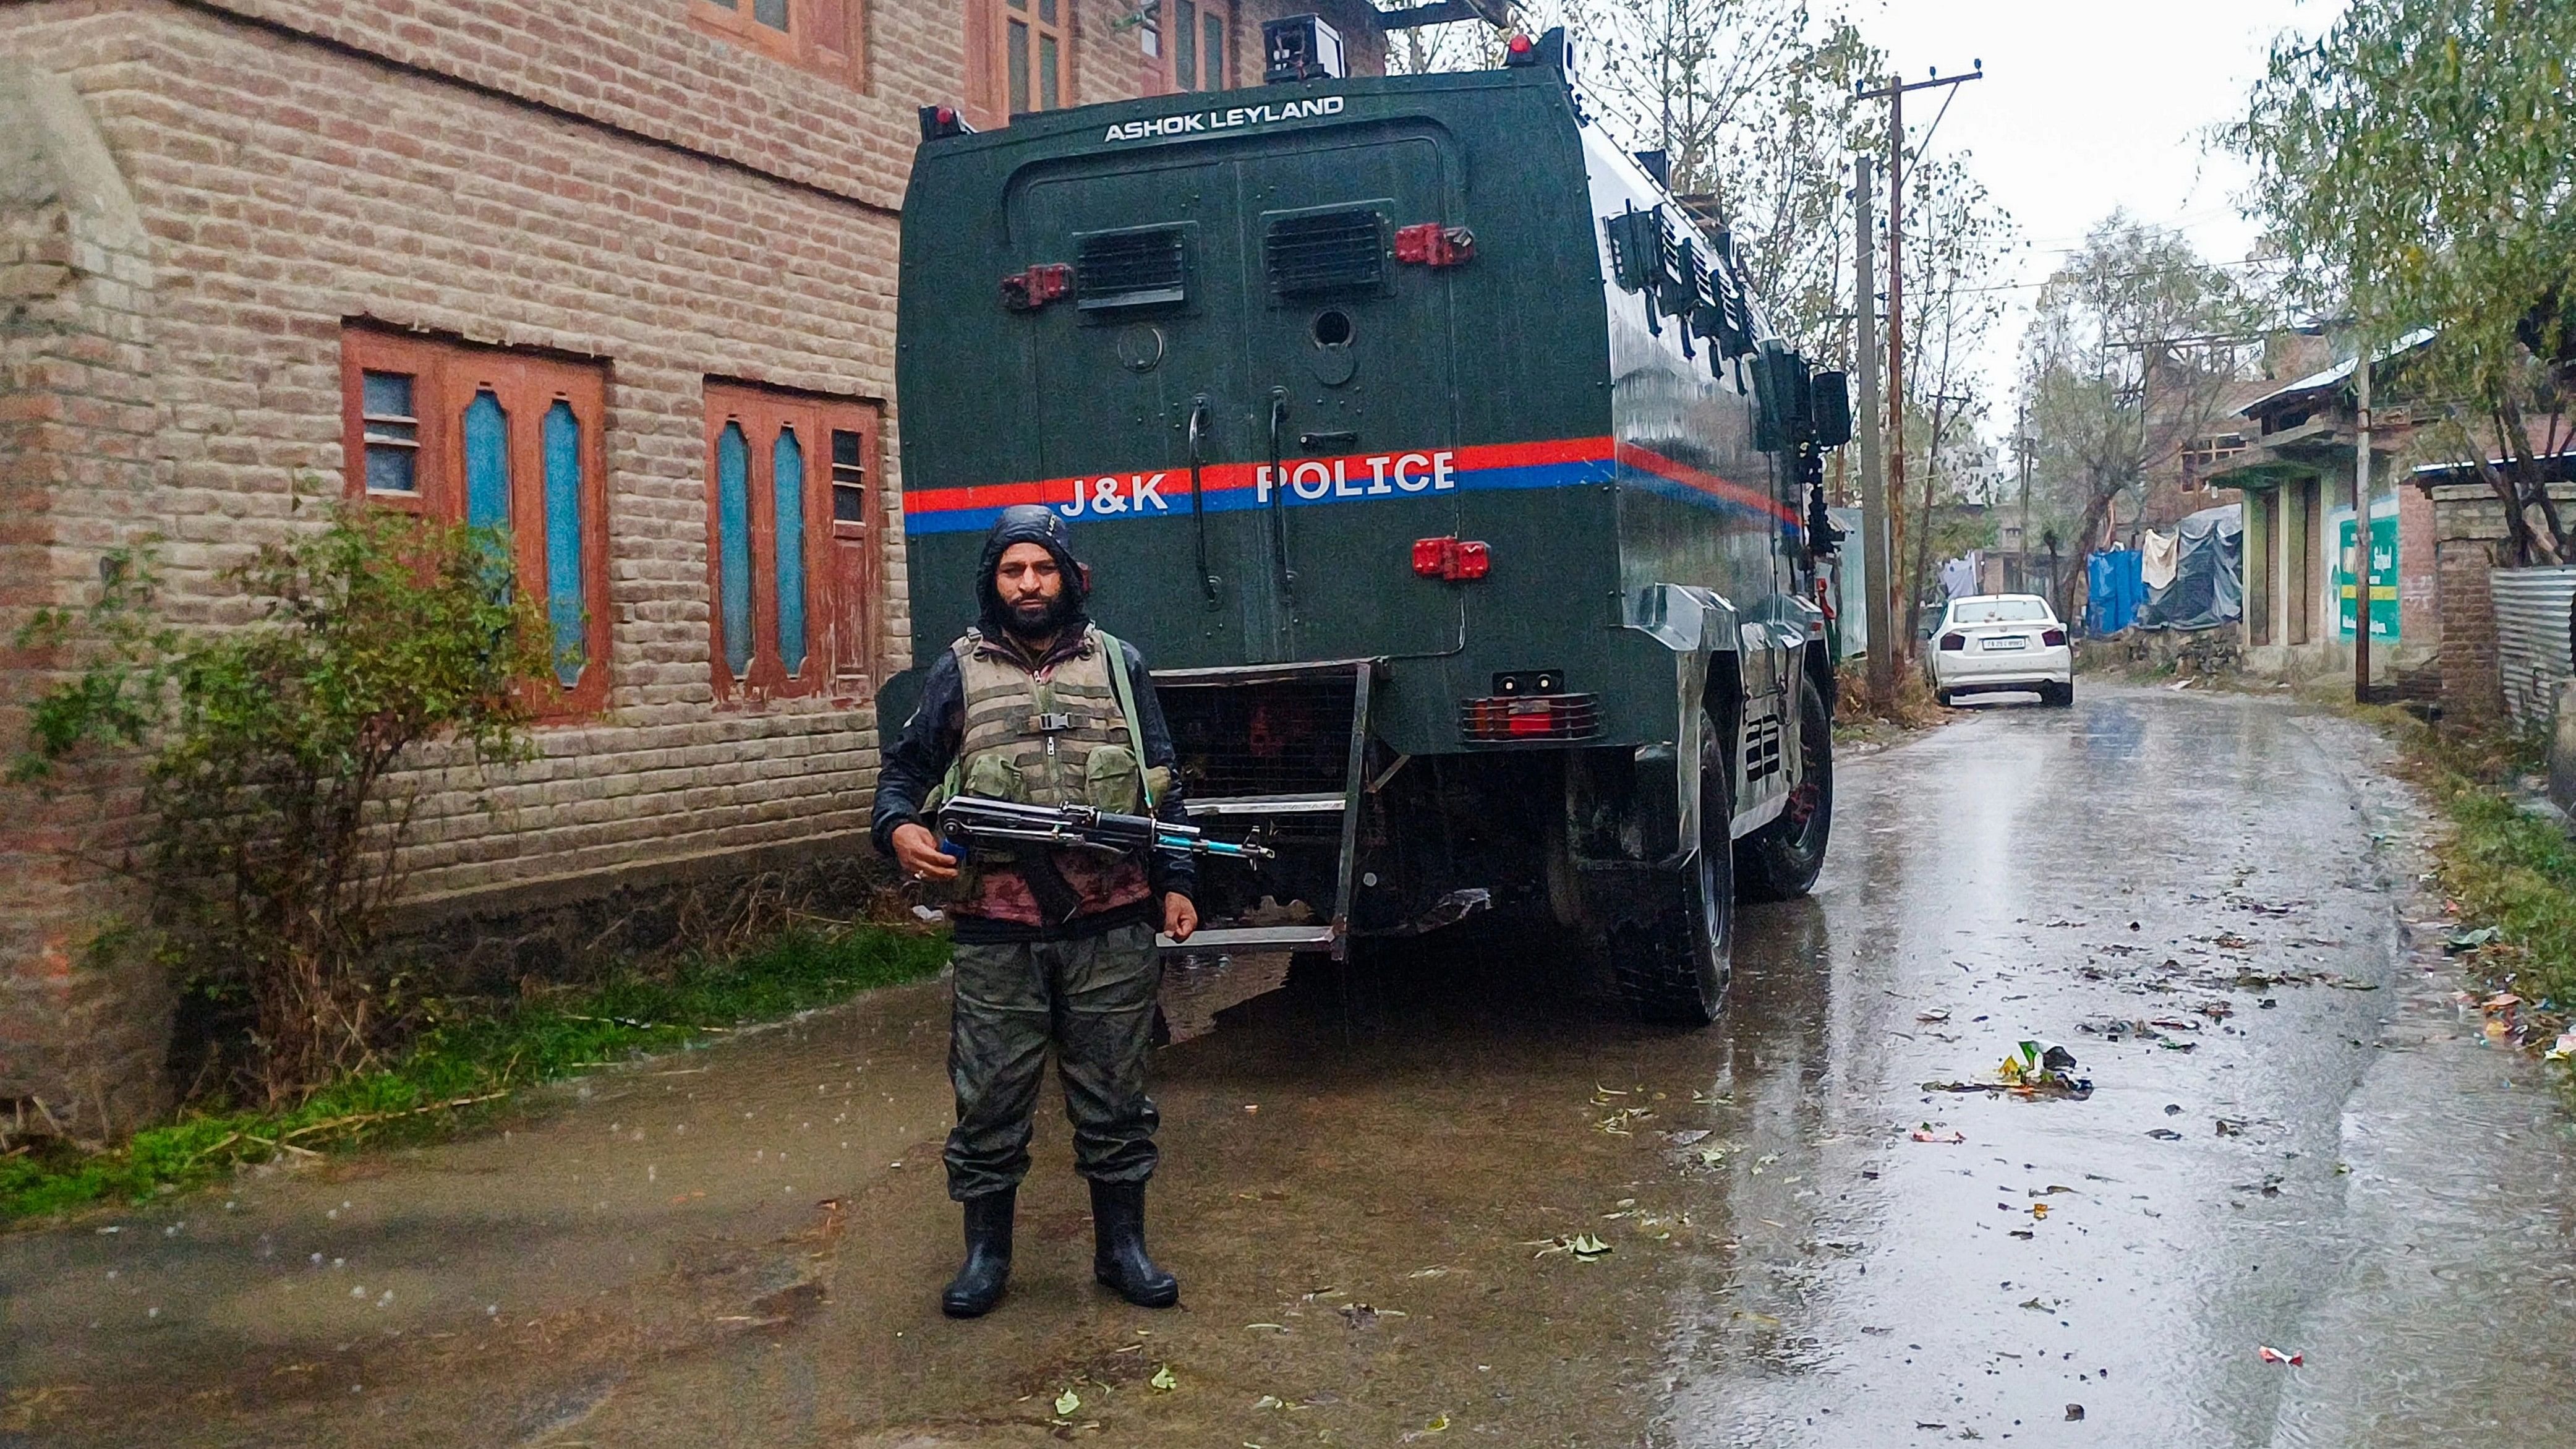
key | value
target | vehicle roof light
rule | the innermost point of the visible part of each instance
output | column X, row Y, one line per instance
column 1520, row 50
column 939, row 121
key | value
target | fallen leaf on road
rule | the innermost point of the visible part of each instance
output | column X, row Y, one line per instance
column 2039, row 1210
column 1936, row 1014
column 1162, row 1382
column 2274, row 1355
column 2164, row 1134
column 1067, row 1402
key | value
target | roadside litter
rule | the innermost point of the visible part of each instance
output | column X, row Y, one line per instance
column 1951, row 1138
column 2460, row 943
column 2035, row 1068
column 2274, row 1355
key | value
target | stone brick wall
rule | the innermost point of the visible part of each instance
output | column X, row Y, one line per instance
column 2469, row 534
column 82, row 1012
column 596, row 179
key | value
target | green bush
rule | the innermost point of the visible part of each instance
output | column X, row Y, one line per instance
column 280, row 755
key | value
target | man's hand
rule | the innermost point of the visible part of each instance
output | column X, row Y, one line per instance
column 1180, row 917
column 918, row 852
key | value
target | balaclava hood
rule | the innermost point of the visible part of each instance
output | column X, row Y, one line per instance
column 1029, row 523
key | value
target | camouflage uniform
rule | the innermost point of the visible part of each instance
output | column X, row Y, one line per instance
column 1094, row 997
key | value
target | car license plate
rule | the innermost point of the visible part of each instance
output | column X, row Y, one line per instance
column 2012, row 642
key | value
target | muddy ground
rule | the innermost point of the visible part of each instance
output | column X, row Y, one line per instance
column 2293, row 1139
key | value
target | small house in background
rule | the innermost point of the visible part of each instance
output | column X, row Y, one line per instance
column 2294, row 469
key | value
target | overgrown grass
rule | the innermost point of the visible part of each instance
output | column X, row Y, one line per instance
column 456, row 1072
column 2504, row 867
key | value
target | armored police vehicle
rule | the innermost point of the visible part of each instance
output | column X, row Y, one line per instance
column 1441, row 466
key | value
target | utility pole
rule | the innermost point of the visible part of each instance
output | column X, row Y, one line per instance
column 1894, row 91
column 2361, row 535
column 2022, row 448
column 1873, row 480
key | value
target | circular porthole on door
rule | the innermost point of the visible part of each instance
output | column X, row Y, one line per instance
column 1332, row 361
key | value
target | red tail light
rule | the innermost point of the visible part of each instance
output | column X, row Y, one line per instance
column 2052, row 637
column 1450, row 558
column 1504, row 718
column 1430, row 244
column 1028, row 291
column 1954, row 641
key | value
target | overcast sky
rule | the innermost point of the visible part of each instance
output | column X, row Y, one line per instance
column 2089, row 105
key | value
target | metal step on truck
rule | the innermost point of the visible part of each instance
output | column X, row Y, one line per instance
column 1440, row 463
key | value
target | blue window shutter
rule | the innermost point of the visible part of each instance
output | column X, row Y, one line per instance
column 487, row 462
column 733, row 545
column 563, row 543
column 787, row 477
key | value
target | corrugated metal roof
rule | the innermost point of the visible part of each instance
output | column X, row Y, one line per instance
column 2338, row 372
column 2535, row 636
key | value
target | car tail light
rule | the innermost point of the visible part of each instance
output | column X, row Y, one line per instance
column 1505, row 718
column 1952, row 642
column 1028, row 291
column 1451, row 558
column 1430, row 244
column 2052, row 637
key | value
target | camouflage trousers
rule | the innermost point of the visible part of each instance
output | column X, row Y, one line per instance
column 1091, row 998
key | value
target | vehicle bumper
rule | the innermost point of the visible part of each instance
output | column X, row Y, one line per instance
column 2003, row 668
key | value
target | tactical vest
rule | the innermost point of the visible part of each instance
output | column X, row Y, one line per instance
column 1060, row 740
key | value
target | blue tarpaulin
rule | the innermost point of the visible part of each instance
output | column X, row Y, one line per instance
column 2114, row 590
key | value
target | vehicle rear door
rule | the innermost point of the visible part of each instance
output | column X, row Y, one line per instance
column 1350, row 386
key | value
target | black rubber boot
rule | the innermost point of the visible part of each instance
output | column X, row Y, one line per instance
column 978, row 1285
column 1118, row 1257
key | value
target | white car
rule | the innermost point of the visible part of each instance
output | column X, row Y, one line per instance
column 1994, row 642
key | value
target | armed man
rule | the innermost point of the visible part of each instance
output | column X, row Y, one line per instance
column 1054, row 945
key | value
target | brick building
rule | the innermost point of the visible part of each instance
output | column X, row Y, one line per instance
column 620, row 272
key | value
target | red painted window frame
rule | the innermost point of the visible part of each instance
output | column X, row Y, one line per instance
column 806, row 43
column 843, row 576
column 445, row 377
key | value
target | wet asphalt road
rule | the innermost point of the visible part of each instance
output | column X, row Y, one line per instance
column 1367, row 1179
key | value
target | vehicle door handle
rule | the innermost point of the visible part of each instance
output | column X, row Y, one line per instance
column 1343, row 439
column 1198, row 494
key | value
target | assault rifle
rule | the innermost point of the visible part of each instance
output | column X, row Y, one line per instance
column 976, row 820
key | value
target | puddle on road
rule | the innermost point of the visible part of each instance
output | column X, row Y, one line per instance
column 1388, row 1192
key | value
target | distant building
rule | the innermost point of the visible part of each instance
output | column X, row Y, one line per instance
column 2295, row 472
column 618, row 271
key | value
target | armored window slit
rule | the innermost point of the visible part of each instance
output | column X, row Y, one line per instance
column 1121, row 269
column 1321, row 253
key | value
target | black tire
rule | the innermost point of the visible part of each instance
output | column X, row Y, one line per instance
column 1673, row 967
column 1782, row 859
column 2061, row 696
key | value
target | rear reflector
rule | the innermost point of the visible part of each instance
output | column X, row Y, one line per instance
column 1954, row 641
column 2052, row 637
column 1028, row 291
column 1502, row 719
column 1429, row 244
column 1451, row 558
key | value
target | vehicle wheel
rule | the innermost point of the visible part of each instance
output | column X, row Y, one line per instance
column 1673, row 968
column 1782, row 859
column 2062, row 695
column 1941, row 697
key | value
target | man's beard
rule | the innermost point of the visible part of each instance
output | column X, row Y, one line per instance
column 1038, row 619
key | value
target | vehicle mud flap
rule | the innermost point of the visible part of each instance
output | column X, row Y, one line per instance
column 1672, row 965
column 1783, row 858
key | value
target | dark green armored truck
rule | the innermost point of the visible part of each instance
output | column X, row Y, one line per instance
column 1444, row 470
